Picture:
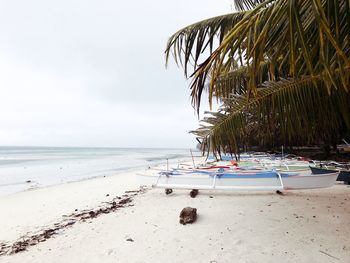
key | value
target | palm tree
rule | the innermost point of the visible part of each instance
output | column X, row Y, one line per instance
column 279, row 68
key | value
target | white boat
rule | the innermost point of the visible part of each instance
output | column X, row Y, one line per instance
column 241, row 180
column 285, row 165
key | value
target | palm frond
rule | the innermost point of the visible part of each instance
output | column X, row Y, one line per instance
column 281, row 68
column 289, row 111
column 188, row 44
column 308, row 37
column 247, row 4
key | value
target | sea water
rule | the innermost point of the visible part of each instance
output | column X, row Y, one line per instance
column 23, row 168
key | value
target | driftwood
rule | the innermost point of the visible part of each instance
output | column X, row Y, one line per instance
column 188, row 215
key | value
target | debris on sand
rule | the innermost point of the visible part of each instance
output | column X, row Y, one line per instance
column 188, row 215
column 168, row 191
column 68, row 220
column 329, row 255
column 194, row 193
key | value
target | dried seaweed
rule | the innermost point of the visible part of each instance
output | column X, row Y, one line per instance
column 32, row 239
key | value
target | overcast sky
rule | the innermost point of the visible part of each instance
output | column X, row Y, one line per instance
column 91, row 73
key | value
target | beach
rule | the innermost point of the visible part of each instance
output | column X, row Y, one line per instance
column 300, row 226
column 244, row 103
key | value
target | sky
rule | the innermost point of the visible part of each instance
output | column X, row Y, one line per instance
column 92, row 73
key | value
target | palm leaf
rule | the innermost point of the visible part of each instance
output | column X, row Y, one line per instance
column 298, row 32
column 286, row 112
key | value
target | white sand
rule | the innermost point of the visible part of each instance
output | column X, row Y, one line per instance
column 32, row 210
column 302, row 226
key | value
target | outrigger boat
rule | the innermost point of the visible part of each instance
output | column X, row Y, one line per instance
column 238, row 180
column 285, row 165
column 275, row 162
column 344, row 172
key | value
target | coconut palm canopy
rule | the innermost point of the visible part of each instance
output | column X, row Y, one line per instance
column 279, row 68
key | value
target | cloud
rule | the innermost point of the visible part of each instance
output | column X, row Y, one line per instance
column 92, row 73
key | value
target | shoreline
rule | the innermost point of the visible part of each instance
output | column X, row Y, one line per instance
column 32, row 169
column 43, row 206
column 49, row 203
column 129, row 171
column 115, row 173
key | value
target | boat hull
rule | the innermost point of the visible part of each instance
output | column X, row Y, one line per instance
column 343, row 175
column 257, row 181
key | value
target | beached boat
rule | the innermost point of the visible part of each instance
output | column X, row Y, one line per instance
column 240, row 180
column 279, row 162
column 268, row 164
column 286, row 165
column 344, row 174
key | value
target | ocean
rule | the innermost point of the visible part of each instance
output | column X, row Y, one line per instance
column 23, row 168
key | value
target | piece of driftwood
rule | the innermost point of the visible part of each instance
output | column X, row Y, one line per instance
column 194, row 193
column 188, row 215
